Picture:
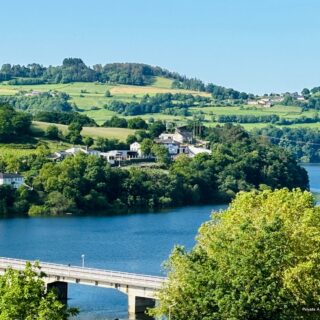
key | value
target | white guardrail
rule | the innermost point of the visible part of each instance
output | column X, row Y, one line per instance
column 89, row 274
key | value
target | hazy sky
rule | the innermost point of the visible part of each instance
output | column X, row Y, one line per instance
column 252, row 45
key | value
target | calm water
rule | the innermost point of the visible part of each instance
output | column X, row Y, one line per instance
column 134, row 243
column 314, row 176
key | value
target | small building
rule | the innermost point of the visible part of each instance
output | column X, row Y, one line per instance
column 32, row 94
column 265, row 102
column 60, row 155
column 275, row 100
column 136, row 146
column 11, row 179
column 181, row 135
column 193, row 151
column 171, row 145
column 301, row 98
column 166, row 136
column 116, row 156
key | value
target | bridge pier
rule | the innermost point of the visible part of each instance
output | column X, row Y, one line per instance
column 139, row 304
column 61, row 289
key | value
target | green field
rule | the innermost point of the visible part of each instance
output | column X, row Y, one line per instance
column 19, row 150
column 28, row 148
column 95, row 132
column 90, row 99
column 91, row 96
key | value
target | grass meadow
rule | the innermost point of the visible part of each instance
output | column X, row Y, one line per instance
column 95, row 132
column 90, row 99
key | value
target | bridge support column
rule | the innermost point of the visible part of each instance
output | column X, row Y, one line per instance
column 61, row 289
column 139, row 304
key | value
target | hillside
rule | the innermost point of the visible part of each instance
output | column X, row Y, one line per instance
column 131, row 89
column 75, row 70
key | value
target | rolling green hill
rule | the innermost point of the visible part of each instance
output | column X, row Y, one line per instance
column 91, row 90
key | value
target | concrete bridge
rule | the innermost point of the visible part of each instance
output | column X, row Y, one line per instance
column 141, row 289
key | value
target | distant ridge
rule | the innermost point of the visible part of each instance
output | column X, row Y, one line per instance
column 75, row 70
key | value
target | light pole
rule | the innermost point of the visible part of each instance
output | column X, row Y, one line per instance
column 82, row 258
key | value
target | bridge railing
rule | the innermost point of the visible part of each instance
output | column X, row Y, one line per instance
column 87, row 273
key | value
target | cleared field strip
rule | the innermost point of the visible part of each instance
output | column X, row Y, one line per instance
column 95, row 132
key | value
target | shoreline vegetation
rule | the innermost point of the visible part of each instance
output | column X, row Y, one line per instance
column 85, row 183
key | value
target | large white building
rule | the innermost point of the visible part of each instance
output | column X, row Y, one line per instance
column 11, row 179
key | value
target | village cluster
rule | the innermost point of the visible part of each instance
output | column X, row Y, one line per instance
column 179, row 142
column 268, row 102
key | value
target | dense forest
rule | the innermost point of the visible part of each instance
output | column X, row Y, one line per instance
column 64, row 118
column 84, row 184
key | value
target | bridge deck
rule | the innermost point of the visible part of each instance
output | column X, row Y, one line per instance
column 69, row 273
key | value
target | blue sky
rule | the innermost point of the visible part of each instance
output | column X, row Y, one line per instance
column 251, row 45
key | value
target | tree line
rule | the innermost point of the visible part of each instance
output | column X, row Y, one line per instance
column 64, row 118
column 75, row 70
column 84, row 184
column 46, row 101
column 160, row 103
column 272, row 118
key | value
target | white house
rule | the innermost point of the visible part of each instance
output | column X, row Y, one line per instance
column 265, row 102
column 301, row 98
column 171, row 145
column 136, row 146
column 11, row 179
column 181, row 135
column 114, row 156
column 166, row 136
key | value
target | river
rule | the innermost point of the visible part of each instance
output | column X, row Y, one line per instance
column 134, row 243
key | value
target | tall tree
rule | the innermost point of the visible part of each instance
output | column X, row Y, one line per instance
column 259, row 259
column 23, row 296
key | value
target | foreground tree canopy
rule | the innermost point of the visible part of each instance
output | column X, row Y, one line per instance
column 23, row 296
column 259, row 259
